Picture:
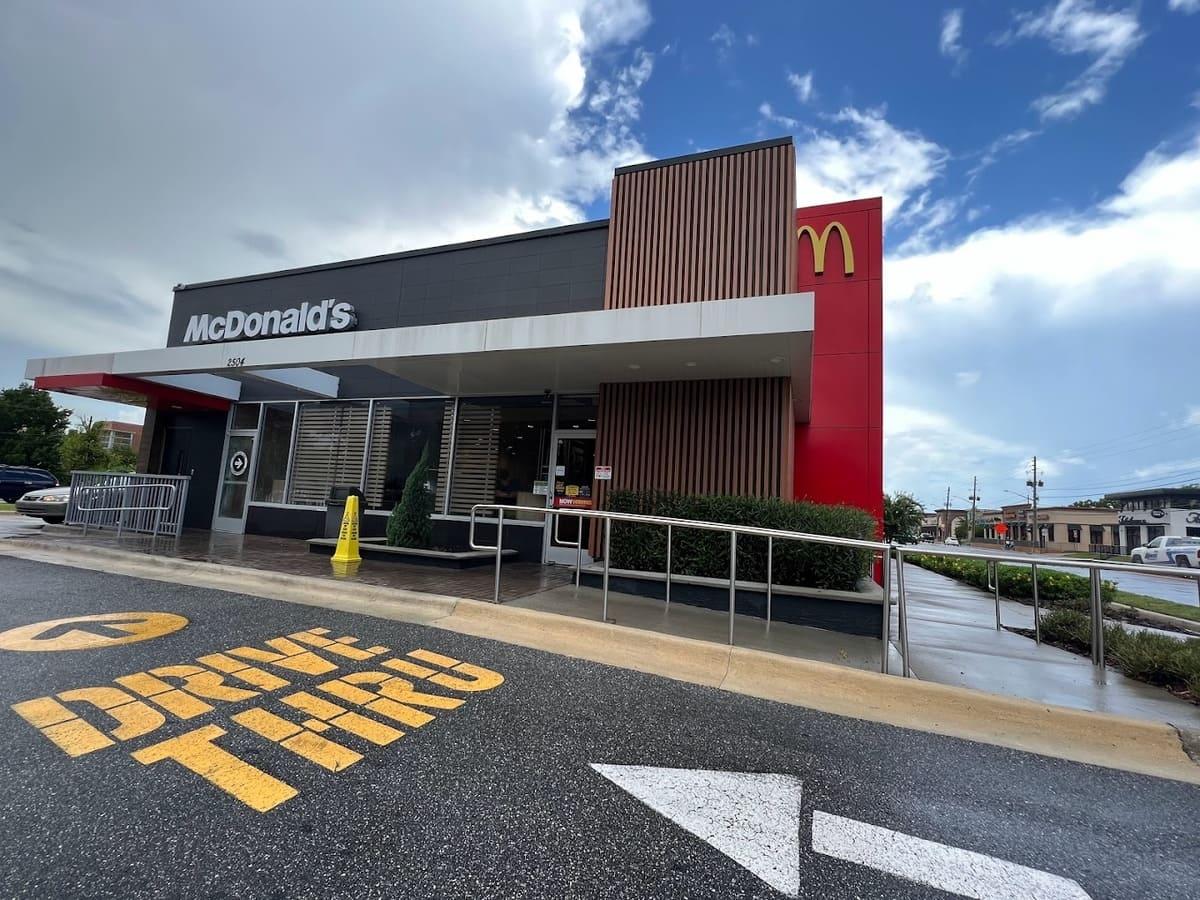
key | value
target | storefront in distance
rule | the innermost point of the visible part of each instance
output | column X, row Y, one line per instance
column 708, row 337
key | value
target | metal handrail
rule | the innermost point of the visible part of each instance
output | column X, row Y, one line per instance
column 734, row 531
column 89, row 504
column 96, row 488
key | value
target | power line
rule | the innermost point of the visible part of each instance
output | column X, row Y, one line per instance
column 1168, row 428
column 1126, row 482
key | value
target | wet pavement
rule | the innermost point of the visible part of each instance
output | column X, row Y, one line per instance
column 218, row 757
column 953, row 640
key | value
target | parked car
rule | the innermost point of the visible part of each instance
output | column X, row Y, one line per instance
column 952, row 541
column 16, row 481
column 1166, row 551
column 49, row 504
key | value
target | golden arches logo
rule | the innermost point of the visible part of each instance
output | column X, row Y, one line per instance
column 819, row 244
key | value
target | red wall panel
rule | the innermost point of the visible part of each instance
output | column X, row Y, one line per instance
column 839, row 451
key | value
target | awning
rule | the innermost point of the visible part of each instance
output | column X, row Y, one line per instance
column 749, row 337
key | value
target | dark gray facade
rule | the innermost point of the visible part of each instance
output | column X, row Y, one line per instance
column 556, row 270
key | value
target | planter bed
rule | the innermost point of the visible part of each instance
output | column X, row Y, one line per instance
column 376, row 548
column 850, row 612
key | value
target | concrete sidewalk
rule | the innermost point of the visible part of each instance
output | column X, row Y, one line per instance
column 953, row 640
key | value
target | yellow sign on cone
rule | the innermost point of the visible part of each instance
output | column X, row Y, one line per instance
column 347, row 545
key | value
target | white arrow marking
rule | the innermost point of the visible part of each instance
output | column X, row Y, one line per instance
column 936, row 865
column 754, row 819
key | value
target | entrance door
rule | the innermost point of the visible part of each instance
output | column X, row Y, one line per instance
column 230, row 514
column 571, row 487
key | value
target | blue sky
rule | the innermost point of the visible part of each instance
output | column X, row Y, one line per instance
column 1039, row 163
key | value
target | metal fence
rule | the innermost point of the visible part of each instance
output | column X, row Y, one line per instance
column 146, row 504
column 891, row 554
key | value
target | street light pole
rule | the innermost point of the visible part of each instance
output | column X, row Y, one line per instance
column 1035, row 484
column 974, row 500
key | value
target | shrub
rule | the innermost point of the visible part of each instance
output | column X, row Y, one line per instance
column 706, row 553
column 1056, row 590
column 1068, row 627
column 410, row 525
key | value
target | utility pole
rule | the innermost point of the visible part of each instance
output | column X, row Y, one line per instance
column 974, row 500
column 946, row 533
column 1035, row 484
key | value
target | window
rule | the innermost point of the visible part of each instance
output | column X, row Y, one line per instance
column 577, row 412
column 1155, row 533
column 275, row 444
column 1192, row 531
column 330, row 441
column 1096, row 534
column 501, row 452
column 1049, row 531
column 400, row 431
column 1074, row 534
column 1116, row 534
column 245, row 417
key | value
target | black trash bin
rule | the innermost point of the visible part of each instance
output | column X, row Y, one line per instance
column 335, row 507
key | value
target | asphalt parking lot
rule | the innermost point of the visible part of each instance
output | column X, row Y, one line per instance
column 181, row 765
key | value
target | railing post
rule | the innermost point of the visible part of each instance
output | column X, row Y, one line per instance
column 996, row 569
column 669, row 565
column 770, row 560
column 579, row 549
column 607, row 563
column 887, row 610
column 1098, row 627
column 902, row 612
column 499, row 552
column 732, row 580
column 1037, row 617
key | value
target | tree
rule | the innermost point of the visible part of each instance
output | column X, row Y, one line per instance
column 82, row 449
column 32, row 426
column 1102, row 503
column 902, row 516
column 410, row 524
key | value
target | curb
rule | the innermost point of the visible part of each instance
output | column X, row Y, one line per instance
column 1187, row 625
column 1117, row 742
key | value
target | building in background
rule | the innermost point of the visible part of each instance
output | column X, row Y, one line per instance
column 708, row 338
column 1145, row 515
column 116, row 435
column 1063, row 528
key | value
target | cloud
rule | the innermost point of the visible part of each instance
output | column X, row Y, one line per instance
column 967, row 379
column 1184, row 6
column 802, row 85
column 724, row 36
column 275, row 135
column 1168, row 469
column 999, row 147
column 1193, row 416
column 865, row 155
column 769, row 115
column 1067, row 267
column 1077, row 27
column 918, row 441
column 950, row 39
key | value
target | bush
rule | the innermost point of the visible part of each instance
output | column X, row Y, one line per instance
column 706, row 553
column 1056, row 590
column 410, row 525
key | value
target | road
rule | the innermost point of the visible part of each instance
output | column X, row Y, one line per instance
column 548, row 777
column 1164, row 587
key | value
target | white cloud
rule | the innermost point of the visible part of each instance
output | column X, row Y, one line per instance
column 950, row 39
column 802, row 85
column 768, row 114
column 967, row 379
column 1164, row 469
column 1077, row 27
column 1184, row 6
column 1138, row 243
column 243, row 153
column 999, row 146
column 724, row 36
column 919, row 441
column 868, row 157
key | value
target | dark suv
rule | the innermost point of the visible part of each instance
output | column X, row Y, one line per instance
column 15, row 481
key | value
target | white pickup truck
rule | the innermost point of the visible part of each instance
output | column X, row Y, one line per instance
column 1169, row 551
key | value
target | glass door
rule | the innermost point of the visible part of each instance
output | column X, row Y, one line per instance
column 571, row 487
column 230, row 514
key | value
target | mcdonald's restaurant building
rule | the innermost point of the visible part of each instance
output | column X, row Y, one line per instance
column 709, row 337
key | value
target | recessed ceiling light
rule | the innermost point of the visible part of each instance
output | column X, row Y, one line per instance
column 776, row 359
column 690, row 365
column 634, row 366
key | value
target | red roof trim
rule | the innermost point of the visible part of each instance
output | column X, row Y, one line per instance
column 157, row 395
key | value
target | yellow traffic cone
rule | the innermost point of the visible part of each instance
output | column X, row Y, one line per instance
column 347, row 545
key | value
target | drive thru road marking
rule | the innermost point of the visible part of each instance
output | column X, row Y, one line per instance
column 754, row 819
column 91, row 632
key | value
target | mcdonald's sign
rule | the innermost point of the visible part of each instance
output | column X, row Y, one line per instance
column 819, row 244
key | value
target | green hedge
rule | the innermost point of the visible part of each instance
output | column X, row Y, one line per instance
column 1055, row 589
column 706, row 553
column 1144, row 655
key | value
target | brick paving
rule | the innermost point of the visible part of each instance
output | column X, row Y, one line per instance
column 519, row 579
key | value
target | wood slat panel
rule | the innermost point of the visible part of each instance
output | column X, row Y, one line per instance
column 703, row 229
